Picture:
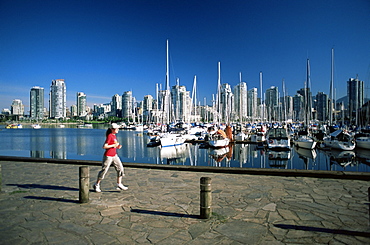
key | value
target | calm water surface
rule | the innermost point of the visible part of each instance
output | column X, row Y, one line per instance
column 86, row 144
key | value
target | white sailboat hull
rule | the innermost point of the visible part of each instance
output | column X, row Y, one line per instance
column 363, row 142
column 340, row 145
column 305, row 142
column 219, row 143
column 171, row 140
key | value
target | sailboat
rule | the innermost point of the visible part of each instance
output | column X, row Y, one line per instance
column 304, row 139
column 218, row 139
column 339, row 139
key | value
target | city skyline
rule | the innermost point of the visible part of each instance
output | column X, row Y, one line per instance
column 103, row 49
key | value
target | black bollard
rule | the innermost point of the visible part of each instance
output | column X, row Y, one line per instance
column 84, row 184
column 1, row 176
column 205, row 198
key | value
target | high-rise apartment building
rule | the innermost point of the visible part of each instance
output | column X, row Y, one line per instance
column 252, row 104
column 298, row 108
column 240, row 101
column 272, row 103
column 226, row 102
column 81, row 104
column 147, row 105
column 116, row 105
column 127, row 110
column 58, row 99
column 355, row 93
column 181, row 103
column 17, row 107
column 322, row 102
column 37, row 103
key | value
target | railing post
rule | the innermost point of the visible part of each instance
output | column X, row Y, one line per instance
column 84, row 184
column 205, row 198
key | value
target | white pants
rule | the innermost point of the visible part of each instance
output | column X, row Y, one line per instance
column 107, row 161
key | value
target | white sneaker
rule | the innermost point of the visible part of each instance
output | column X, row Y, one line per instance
column 97, row 188
column 121, row 187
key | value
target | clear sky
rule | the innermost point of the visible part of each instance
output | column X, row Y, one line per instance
column 108, row 47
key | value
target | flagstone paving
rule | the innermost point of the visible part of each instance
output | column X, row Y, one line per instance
column 39, row 204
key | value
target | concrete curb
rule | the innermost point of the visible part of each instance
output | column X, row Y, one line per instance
column 231, row 170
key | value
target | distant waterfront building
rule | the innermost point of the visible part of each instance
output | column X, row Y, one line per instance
column 101, row 111
column 226, row 102
column 322, row 103
column 81, row 104
column 5, row 111
column 287, row 108
column 58, row 99
column 272, row 103
column 74, row 110
column 298, row 108
column 148, row 107
column 127, row 108
column 37, row 103
column 355, row 94
column 17, row 107
column 307, row 103
column 164, row 102
column 116, row 105
column 241, row 101
column 181, row 103
column 252, row 104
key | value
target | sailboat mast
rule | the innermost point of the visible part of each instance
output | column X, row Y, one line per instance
column 240, row 98
column 262, row 116
column 167, row 69
column 218, row 98
column 331, row 89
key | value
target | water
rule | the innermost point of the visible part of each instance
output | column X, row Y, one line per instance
column 86, row 144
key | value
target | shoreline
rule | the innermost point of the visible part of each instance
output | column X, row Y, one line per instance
column 324, row 174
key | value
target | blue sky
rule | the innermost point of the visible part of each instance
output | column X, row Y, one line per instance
column 104, row 48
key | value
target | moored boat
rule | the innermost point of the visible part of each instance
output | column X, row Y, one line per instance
column 340, row 140
column 363, row 139
column 278, row 138
column 36, row 126
column 303, row 140
column 171, row 139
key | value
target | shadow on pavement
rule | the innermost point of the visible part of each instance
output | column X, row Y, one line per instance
column 326, row 230
column 49, row 187
column 52, row 199
column 142, row 211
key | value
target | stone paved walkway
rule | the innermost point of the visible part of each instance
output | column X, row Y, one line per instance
column 39, row 205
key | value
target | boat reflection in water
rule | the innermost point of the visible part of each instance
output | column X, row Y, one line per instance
column 307, row 155
column 220, row 154
column 174, row 154
column 278, row 159
column 342, row 158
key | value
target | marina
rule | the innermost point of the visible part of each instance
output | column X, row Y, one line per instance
column 86, row 144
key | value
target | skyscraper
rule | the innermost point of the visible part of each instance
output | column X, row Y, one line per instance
column 81, row 104
column 127, row 109
column 226, row 102
column 355, row 93
column 240, row 101
column 37, row 103
column 272, row 102
column 116, row 105
column 252, row 104
column 180, row 99
column 57, row 101
column 322, row 109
